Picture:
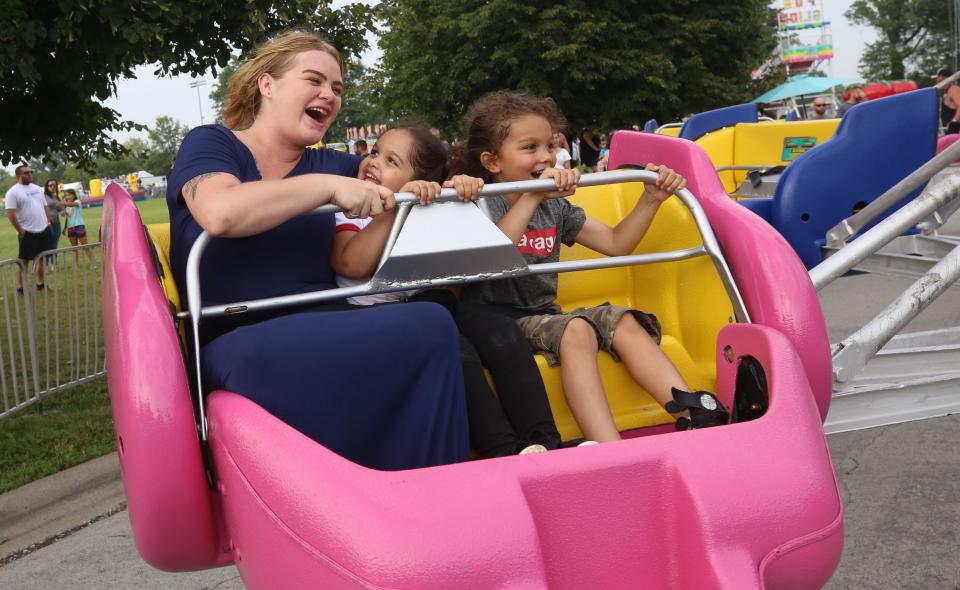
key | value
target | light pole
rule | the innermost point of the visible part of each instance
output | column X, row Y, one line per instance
column 197, row 84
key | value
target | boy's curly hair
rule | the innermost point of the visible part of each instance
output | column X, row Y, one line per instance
column 488, row 125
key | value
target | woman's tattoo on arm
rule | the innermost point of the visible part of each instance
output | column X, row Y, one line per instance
column 190, row 188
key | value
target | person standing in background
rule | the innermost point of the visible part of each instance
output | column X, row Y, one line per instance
column 604, row 157
column 950, row 107
column 562, row 151
column 589, row 150
column 76, row 227
column 28, row 214
column 360, row 148
column 51, row 193
column 856, row 96
column 819, row 110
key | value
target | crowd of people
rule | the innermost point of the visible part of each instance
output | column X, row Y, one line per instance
column 820, row 109
column 251, row 180
column 35, row 214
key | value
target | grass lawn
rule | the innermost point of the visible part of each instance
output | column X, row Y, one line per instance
column 152, row 211
column 75, row 425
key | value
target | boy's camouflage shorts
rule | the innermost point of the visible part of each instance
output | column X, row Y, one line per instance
column 544, row 332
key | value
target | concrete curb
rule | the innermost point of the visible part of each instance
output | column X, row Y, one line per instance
column 42, row 511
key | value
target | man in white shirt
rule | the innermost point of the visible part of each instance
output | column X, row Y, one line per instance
column 28, row 214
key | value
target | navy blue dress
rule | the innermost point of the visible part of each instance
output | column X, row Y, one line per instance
column 380, row 386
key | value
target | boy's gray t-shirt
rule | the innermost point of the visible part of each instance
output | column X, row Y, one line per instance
column 553, row 219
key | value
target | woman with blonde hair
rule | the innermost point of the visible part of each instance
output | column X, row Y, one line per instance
column 335, row 375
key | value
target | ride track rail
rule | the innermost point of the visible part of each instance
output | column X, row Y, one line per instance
column 880, row 376
column 709, row 247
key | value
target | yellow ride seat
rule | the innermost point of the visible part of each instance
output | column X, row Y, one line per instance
column 687, row 297
column 767, row 144
column 159, row 234
column 671, row 131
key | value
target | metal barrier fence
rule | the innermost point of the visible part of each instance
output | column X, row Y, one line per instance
column 50, row 339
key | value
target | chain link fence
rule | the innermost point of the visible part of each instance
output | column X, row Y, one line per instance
column 51, row 339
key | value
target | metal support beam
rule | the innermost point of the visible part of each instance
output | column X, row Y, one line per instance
column 840, row 233
column 852, row 354
column 884, row 232
column 892, row 264
column 893, row 403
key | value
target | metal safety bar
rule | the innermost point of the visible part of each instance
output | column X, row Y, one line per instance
column 840, row 233
column 710, row 247
column 669, row 126
column 747, row 167
column 884, row 232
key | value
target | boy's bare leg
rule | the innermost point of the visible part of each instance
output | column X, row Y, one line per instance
column 40, row 267
column 581, row 382
column 646, row 362
column 20, row 274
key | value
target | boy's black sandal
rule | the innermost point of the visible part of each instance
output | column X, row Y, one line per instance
column 705, row 409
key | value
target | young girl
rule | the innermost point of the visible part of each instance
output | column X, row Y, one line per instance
column 409, row 158
column 76, row 230
column 510, row 138
column 563, row 157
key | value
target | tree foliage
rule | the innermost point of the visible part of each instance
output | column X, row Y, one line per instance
column 164, row 140
column 153, row 155
column 362, row 103
column 914, row 37
column 619, row 62
column 60, row 60
column 218, row 96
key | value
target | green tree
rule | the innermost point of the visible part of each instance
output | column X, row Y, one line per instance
column 6, row 180
column 914, row 37
column 620, row 61
column 164, row 141
column 49, row 166
column 60, row 60
column 218, row 96
column 115, row 166
column 73, row 173
column 362, row 104
column 136, row 148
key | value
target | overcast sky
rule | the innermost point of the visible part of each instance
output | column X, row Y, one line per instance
column 145, row 98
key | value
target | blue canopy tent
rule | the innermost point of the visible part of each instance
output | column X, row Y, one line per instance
column 801, row 86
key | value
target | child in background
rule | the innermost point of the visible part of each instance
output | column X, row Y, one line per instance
column 76, row 230
column 409, row 158
column 604, row 158
column 510, row 138
column 562, row 153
